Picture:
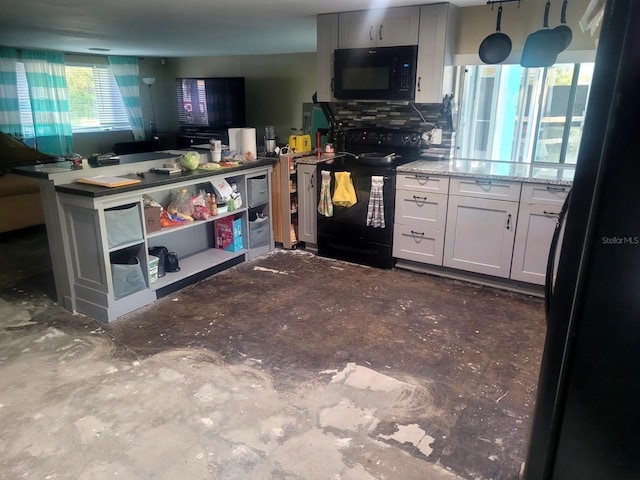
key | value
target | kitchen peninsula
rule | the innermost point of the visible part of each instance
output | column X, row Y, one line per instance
column 100, row 237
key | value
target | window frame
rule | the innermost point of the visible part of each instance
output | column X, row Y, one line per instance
column 534, row 93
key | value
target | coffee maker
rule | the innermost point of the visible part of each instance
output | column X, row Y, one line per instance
column 270, row 141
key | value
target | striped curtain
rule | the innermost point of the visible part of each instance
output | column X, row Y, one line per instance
column 9, row 110
column 49, row 101
column 126, row 72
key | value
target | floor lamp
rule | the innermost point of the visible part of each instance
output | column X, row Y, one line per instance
column 152, row 123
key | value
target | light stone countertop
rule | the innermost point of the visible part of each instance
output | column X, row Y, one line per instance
column 519, row 172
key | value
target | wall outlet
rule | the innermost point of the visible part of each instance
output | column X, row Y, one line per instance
column 436, row 136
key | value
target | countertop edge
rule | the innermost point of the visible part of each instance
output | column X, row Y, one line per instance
column 448, row 168
column 157, row 180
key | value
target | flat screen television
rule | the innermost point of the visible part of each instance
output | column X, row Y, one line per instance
column 211, row 103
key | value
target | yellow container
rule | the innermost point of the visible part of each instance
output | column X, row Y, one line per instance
column 300, row 143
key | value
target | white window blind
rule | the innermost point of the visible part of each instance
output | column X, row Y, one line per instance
column 95, row 102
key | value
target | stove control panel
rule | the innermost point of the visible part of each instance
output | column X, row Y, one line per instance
column 384, row 137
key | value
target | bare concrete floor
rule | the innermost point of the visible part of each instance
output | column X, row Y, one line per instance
column 287, row 367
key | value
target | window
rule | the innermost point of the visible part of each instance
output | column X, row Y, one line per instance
column 95, row 102
column 516, row 114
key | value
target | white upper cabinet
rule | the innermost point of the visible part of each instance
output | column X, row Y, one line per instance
column 432, row 27
column 379, row 27
column 327, row 43
column 438, row 28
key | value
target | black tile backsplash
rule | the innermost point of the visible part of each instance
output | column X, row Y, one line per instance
column 398, row 115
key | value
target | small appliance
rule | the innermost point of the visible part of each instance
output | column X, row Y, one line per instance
column 377, row 73
column 269, row 139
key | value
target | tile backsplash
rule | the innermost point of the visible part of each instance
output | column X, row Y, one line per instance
column 414, row 116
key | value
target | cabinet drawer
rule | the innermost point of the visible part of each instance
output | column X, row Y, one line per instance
column 544, row 194
column 418, row 244
column 422, row 182
column 426, row 210
column 485, row 188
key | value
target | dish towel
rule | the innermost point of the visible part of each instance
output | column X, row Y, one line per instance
column 375, row 211
column 344, row 194
column 325, row 207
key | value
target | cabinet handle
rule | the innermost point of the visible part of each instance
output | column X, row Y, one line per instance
column 380, row 32
column 551, row 188
column 419, row 199
column 332, row 84
column 483, row 182
column 371, row 33
column 421, row 179
column 419, row 78
column 509, row 222
column 550, row 214
column 417, row 233
column 312, row 181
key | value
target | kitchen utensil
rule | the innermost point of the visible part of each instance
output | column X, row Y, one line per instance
column 563, row 31
column 541, row 47
column 497, row 46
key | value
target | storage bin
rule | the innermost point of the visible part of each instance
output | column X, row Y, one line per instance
column 127, row 277
column 123, row 225
column 259, row 233
column 258, row 191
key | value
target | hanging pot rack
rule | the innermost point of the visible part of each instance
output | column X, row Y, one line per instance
column 491, row 2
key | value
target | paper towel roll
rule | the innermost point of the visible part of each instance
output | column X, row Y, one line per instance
column 248, row 146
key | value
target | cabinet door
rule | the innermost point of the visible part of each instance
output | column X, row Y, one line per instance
column 435, row 51
column 536, row 224
column 327, row 29
column 379, row 27
column 307, row 215
column 480, row 235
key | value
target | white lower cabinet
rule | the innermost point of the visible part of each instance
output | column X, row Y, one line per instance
column 307, row 202
column 420, row 218
column 540, row 206
column 536, row 224
column 480, row 235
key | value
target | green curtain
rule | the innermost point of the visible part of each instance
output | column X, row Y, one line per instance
column 49, row 101
column 9, row 109
column 126, row 72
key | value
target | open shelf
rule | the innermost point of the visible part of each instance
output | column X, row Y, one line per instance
column 197, row 263
column 195, row 223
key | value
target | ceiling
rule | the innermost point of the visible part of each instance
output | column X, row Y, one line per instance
column 174, row 28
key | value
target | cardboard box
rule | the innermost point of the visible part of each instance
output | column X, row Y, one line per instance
column 152, row 219
column 153, row 268
column 228, row 234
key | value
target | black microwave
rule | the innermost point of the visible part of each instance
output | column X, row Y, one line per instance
column 376, row 73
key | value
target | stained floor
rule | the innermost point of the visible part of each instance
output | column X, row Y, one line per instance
column 290, row 366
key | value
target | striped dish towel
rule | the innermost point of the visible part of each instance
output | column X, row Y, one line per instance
column 375, row 211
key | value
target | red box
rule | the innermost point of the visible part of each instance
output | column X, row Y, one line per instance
column 223, row 230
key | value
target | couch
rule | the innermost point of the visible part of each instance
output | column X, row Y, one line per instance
column 20, row 202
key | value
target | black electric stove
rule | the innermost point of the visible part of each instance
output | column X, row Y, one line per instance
column 369, row 152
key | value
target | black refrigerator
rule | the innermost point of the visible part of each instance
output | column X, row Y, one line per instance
column 586, row 424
